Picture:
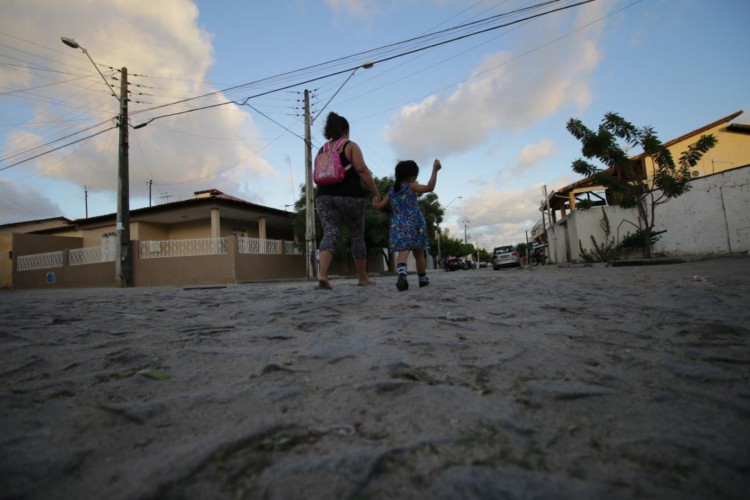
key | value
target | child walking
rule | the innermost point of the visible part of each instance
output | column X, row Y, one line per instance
column 408, row 226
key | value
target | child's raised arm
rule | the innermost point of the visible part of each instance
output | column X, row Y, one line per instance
column 430, row 186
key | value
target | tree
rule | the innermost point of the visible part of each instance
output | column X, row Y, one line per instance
column 625, row 177
column 521, row 249
column 433, row 215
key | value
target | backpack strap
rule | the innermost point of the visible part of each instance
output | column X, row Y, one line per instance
column 336, row 147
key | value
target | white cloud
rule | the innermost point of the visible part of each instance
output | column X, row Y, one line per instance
column 532, row 154
column 354, row 8
column 18, row 203
column 507, row 91
column 500, row 216
column 168, row 55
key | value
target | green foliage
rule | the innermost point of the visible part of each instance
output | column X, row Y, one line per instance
column 623, row 175
column 521, row 249
column 584, row 204
column 451, row 246
column 637, row 240
column 602, row 252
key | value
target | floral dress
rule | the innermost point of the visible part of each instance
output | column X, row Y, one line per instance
column 408, row 227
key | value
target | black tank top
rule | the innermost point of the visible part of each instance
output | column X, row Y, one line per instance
column 351, row 185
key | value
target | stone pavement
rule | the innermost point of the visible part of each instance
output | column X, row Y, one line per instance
column 550, row 382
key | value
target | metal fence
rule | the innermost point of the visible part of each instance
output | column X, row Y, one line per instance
column 155, row 249
column 39, row 261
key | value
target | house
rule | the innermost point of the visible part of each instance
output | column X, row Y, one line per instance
column 6, row 242
column 711, row 218
column 210, row 238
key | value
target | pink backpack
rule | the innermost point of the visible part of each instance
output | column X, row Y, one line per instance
column 328, row 168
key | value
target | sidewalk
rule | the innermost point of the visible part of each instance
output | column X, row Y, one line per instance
column 546, row 382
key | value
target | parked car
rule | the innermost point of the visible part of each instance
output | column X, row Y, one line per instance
column 482, row 265
column 505, row 256
column 452, row 264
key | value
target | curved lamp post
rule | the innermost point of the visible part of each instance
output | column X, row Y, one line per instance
column 123, row 257
column 440, row 255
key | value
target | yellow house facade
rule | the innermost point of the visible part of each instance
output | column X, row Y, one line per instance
column 6, row 242
column 722, row 172
column 731, row 151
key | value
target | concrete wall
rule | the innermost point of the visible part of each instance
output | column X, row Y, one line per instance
column 582, row 224
column 175, row 271
column 197, row 270
column 145, row 231
column 101, row 275
column 712, row 218
column 270, row 267
column 93, row 275
column 6, row 263
column 190, row 230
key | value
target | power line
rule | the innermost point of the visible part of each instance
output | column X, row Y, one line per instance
column 387, row 56
column 58, row 148
column 53, row 141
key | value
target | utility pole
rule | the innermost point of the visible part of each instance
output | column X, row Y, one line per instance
column 123, row 262
column 123, row 257
column 466, row 237
column 150, row 182
column 440, row 254
column 310, row 240
column 86, row 199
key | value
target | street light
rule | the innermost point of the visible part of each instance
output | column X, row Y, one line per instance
column 454, row 199
column 310, row 238
column 123, row 257
column 440, row 255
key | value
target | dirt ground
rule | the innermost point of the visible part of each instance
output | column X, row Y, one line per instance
column 546, row 382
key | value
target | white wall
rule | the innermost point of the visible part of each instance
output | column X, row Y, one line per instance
column 713, row 217
column 582, row 224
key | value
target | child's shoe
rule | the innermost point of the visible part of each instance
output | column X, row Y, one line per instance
column 402, row 284
column 423, row 281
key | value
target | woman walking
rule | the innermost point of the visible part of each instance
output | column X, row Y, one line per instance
column 344, row 202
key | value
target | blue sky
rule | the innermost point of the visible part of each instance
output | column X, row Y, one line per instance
column 492, row 107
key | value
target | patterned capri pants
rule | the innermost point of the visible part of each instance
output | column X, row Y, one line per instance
column 333, row 210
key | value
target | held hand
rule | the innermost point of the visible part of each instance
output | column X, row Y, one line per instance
column 436, row 165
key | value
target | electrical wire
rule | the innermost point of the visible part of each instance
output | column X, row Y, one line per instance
column 58, row 148
column 385, row 55
column 6, row 158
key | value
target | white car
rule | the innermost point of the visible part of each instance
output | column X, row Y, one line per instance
column 505, row 256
